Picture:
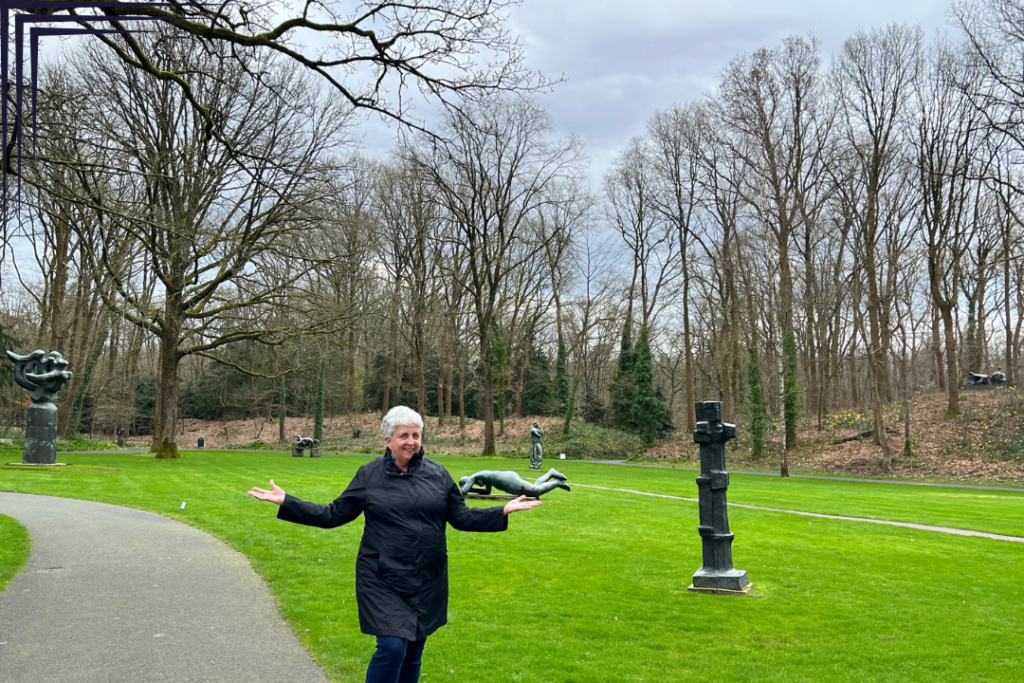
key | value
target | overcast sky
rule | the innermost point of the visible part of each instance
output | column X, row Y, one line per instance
column 624, row 59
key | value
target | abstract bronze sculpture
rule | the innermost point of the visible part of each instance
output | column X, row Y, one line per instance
column 536, row 446
column 43, row 374
column 996, row 379
column 717, row 575
column 305, row 443
column 510, row 482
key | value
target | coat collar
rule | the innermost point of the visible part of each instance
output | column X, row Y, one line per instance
column 391, row 468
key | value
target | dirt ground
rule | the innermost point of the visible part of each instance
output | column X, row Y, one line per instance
column 356, row 431
column 984, row 443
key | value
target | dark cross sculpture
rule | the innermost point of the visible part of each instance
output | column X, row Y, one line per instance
column 717, row 575
column 43, row 374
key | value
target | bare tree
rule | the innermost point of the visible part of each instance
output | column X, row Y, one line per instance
column 492, row 172
column 651, row 240
column 945, row 146
column 372, row 54
column 874, row 78
column 222, row 230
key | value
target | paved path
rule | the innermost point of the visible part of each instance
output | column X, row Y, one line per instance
column 886, row 522
column 117, row 595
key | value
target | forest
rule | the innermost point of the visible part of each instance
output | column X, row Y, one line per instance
column 817, row 233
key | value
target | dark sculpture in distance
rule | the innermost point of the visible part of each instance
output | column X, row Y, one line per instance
column 996, row 379
column 510, row 482
column 43, row 374
column 303, row 443
column 717, row 575
column 536, row 446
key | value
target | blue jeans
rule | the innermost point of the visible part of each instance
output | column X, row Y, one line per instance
column 396, row 660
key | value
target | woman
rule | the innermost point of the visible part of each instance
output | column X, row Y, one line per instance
column 402, row 565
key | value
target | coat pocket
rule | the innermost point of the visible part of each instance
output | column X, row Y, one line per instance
column 407, row 562
column 433, row 555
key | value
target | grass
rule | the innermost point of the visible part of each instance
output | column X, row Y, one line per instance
column 15, row 548
column 993, row 511
column 12, row 452
column 591, row 587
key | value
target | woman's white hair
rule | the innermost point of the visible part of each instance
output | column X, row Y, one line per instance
column 397, row 417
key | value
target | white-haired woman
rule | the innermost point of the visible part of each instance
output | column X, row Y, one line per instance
column 402, row 565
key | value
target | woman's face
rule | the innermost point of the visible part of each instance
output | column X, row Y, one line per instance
column 404, row 443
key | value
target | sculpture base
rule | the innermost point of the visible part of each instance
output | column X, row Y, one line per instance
column 298, row 452
column 38, row 464
column 40, row 435
column 722, row 591
column 720, row 579
column 494, row 496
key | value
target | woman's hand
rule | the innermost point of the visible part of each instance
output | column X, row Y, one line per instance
column 518, row 504
column 275, row 495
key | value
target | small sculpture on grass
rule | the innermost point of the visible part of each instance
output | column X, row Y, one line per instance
column 536, row 446
column 304, row 443
column 510, row 482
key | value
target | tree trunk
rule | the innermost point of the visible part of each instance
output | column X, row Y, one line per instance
column 440, row 379
column 167, row 395
column 691, row 420
column 878, row 412
column 1008, row 355
column 452, row 359
column 952, row 372
column 418, row 372
column 282, row 412
column 488, row 389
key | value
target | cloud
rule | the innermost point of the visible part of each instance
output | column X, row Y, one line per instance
column 624, row 60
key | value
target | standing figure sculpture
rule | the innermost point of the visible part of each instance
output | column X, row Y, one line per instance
column 43, row 374
column 536, row 446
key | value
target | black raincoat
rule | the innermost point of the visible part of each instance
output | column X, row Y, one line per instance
column 402, row 566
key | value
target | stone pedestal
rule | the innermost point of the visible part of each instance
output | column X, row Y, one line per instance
column 717, row 575
column 314, row 452
column 296, row 452
column 41, row 435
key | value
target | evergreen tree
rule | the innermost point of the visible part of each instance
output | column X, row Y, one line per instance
column 791, row 397
column 647, row 410
column 620, row 392
column 755, row 407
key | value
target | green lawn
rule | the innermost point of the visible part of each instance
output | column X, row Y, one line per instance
column 591, row 587
column 991, row 510
column 15, row 548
